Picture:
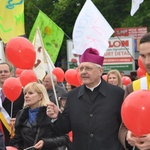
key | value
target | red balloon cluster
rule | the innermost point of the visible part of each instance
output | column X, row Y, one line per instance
column 20, row 52
column 12, row 88
column 59, row 73
column 135, row 112
column 72, row 77
column 126, row 80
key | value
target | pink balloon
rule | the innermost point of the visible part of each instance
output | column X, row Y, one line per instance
column 104, row 77
column 11, row 148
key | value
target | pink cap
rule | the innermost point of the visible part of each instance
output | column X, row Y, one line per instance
column 92, row 55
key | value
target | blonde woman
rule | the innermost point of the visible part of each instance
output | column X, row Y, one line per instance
column 33, row 128
column 114, row 77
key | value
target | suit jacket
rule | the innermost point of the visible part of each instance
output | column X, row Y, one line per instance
column 94, row 117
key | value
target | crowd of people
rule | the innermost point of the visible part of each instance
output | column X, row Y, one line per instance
column 45, row 112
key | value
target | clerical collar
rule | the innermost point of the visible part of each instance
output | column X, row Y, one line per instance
column 92, row 89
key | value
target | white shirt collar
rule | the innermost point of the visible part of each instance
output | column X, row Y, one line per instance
column 92, row 89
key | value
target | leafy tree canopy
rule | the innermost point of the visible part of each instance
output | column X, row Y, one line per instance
column 65, row 12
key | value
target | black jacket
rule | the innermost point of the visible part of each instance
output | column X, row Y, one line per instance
column 94, row 117
column 25, row 133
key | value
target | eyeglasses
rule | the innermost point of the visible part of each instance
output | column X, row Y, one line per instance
column 88, row 69
column 4, row 71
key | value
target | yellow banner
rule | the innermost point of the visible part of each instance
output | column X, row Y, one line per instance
column 11, row 19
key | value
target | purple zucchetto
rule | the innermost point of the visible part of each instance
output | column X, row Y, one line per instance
column 92, row 55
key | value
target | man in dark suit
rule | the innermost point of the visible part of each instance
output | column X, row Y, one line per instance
column 126, row 137
column 5, row 73
column 92, row 110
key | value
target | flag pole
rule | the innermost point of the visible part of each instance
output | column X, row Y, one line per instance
column 50, row 71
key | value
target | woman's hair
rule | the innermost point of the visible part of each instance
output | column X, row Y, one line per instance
column 117, row 73
column 40, row 89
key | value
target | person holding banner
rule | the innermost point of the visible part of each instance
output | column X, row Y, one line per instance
column 128, row 140
column 5, row 103
column 33, row 128
column 92, row 110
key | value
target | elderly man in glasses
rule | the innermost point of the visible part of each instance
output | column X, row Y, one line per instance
column 92, row 110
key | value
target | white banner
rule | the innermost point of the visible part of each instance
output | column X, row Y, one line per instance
column 43, row 62
column 135, row 6
column 91, row 30
column 2, row 54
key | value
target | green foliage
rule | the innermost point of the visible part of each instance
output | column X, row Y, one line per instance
column 32, row 8
column 65, row 12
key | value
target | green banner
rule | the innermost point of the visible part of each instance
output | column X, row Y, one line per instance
column 52, row 35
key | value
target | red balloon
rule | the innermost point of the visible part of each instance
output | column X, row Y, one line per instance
column 135, row 112
column 18, row 72
column 104, row 77
column 59, row 73
column 11, row 148
column 70, row 136
column 12, row 88
column 20, row 52
column 141, row 73
column 27, row 76
column 79, row 79
column 126, row 80
column 140, row 63
column 71, row 77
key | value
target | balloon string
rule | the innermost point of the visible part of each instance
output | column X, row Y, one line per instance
column 12, row 123
column 11, row 109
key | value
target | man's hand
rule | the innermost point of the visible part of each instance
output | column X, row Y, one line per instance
column 131, row 138
column 39, row 144
column 143, row 143
column 52, row 110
